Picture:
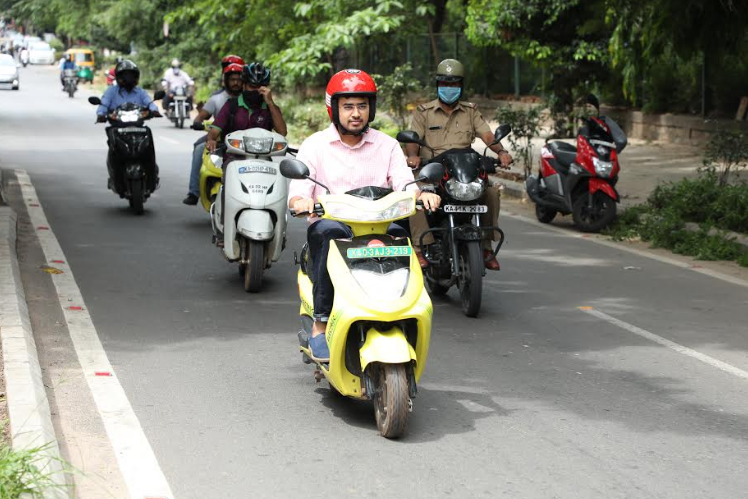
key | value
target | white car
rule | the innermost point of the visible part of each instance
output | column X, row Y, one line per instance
column 9, row 72
column 41, row 53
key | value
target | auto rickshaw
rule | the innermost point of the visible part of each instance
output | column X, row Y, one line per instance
column 84, row 61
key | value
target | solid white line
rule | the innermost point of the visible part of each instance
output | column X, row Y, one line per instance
column 611, row 244
column 137, row 462
column 723, row 366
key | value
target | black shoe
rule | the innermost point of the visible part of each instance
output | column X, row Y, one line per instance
column 191, row 200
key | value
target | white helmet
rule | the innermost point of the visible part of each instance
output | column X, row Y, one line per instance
column 175, row 63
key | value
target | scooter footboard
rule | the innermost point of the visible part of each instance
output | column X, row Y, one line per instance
column 388, row 347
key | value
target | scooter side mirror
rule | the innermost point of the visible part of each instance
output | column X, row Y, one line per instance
column 94, row 100
column 432, row 173
column 294, row 169
column 408, row 137
column 160, row 94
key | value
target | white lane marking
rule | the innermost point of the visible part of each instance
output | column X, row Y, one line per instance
column 137, row 461
column 596, row 239
column 168, row 139
column 723, row 366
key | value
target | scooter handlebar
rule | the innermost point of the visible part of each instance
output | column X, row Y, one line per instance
column 318, row 210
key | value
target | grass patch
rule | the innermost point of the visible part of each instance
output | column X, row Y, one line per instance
column 20, row 473
column 662, row 220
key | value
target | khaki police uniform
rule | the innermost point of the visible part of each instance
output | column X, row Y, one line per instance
column 443, row 132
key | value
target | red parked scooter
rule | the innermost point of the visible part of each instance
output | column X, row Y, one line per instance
column 580, row 180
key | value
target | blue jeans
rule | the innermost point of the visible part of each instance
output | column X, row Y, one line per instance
column 319, row 235
column 197, row 161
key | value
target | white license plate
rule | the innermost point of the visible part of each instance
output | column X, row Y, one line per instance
column 475, row 208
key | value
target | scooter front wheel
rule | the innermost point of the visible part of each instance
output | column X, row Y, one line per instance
column 137, row 198
column 391, row 399
column 254, row 267
column 595, row 216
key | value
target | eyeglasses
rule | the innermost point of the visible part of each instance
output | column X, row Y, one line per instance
column 361, row 107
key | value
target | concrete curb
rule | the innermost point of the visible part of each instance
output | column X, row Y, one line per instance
column 28, row 407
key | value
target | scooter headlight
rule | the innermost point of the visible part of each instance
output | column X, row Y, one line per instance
column 258, row 145
column 602, row 168
column 465, row 191
column 384, row 287
column 343, row 211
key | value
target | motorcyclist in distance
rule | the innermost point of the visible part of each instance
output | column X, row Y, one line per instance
column 175, row 77
column 67, row 63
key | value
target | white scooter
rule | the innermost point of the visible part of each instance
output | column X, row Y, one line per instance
column 256, row 197
column 24, row 57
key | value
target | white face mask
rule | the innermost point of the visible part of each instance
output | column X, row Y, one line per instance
column 176, row 70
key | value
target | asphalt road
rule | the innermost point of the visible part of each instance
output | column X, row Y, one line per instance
column 534, row 399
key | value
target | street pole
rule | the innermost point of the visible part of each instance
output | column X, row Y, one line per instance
column 516, row 76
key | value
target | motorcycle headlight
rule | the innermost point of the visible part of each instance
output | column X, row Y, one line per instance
column 385, row 287
column 465, row 191
column 344, row 211
column 256, row 145
column 129, row 116
column 602, row 168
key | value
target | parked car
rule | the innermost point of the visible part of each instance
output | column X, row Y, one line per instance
column 41, row 53
column 9, row 72
column 28, row 41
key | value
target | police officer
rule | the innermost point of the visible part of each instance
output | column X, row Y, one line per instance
column 447, row 123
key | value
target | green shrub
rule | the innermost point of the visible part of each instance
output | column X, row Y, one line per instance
column 20, row 476
column 525, row 126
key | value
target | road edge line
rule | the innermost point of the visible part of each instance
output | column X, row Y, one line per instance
column 28, row 406
column 137, row 462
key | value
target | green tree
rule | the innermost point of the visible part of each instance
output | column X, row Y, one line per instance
column 567, row 37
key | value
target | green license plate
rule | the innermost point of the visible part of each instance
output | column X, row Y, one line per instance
column 380, row 252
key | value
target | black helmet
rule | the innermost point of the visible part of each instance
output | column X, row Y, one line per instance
column 256, row 74
column 126, row 65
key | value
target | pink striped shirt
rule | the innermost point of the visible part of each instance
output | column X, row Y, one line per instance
column 375, row 161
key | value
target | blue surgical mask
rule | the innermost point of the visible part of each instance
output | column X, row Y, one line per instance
column 449, row 95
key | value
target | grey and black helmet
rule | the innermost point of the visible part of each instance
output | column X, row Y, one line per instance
column 256, row 74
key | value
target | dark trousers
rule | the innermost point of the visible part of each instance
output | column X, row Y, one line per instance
column 319, row 234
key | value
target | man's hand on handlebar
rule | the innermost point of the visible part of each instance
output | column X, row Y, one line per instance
column 303, row 206
column 414, row 162
column 198, row 125
column 100, row 118
column 211, row 145
column 156, row 114
column 505, row 159
column 430, row 200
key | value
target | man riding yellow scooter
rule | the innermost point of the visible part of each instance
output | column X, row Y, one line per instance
column 366, row 316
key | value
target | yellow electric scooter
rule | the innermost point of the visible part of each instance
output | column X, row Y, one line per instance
column 379, row 329
column 210, row 178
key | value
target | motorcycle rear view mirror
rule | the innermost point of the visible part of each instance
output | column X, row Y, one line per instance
column 501, row 132
column 94, row 100
column 432, row 172
column 408, row 137
column 160, row 94
column 592, row 99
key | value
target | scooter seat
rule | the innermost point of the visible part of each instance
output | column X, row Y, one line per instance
column 564, row 153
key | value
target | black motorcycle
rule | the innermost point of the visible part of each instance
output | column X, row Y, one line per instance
column 70, row 81
column 456, row 256
column 131, row 160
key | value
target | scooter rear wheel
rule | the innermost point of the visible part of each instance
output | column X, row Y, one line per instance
column 544, row 214
column 392, row 399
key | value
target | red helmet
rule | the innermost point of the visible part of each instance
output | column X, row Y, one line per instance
column 232, row 68
column 350, row 83
column 231, row 59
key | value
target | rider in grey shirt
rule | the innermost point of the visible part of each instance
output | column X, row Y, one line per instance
column 232, row 84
